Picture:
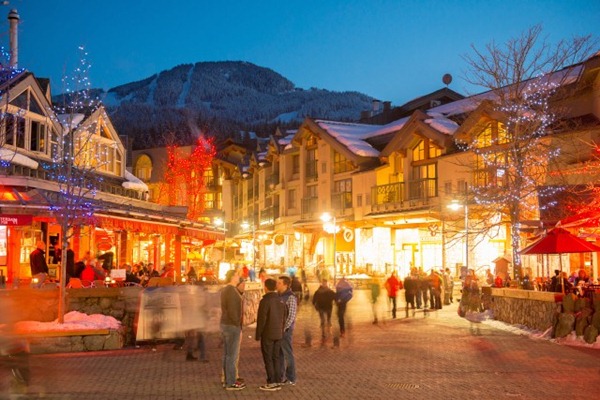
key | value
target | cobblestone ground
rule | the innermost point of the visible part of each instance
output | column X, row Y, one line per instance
column 434, row 355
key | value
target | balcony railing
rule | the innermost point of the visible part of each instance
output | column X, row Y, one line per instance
column 311, row 170
column 403, row 195
column 309, row 208
column 104, row 185
column 268, row 216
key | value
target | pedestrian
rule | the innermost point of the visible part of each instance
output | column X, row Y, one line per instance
column 296, row 287
column 231, row 329
column 194, row 310
column 343, row 294
column 392, row 285
column 70, row 267
column 410, row 292
column 375, row 291
column 435, row 287
column 288, row 298
column 448, row 287
column 270, row 321
column 323, row 301
column 38, row 265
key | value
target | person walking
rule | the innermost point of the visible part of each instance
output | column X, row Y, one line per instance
column 38, row 265
column 410, row 291
column 343, row 294
column 435, row 287
column 375, row 291
column 448, row 287
column 231, row 329
column 392, row 285
column 270, row 321
column 323, row 301
column 290, row 300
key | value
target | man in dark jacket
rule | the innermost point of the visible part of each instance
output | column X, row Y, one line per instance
column 231, row 328
column 37, row 262
column 269, row 330
column 411, row 287
column 323, row 301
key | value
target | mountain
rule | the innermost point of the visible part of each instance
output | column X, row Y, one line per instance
column 220, row 98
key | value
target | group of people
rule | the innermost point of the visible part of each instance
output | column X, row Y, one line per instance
column 323, row 300
column 276, row 319
column 421, row 290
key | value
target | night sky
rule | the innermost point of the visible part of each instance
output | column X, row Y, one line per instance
column 391, row 50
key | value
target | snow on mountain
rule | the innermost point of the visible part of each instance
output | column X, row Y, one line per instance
column 220, row 98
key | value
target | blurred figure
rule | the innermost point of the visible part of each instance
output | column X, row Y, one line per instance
column 296, row 287
column 38, row 265
column 392, row 285
column 448, row 287
column 410, row 292
column 323, row 301
column 343, row 294
column 435, row 285
column 498, row 282
column 375, row 291
column 130, row 276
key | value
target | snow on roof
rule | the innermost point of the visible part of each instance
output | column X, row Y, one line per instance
column 13, row 157
column 74, row 321
column 441, row 123
column 563, row 77
column 354, row 136
column 70, row 121
column 133, row 182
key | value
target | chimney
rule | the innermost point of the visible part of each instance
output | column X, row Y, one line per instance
column 387, row 106
column 376, row 105
column 13, row 19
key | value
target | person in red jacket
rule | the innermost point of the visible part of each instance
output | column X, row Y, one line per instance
column 392, row 285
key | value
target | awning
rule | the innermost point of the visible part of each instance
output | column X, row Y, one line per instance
column 135, row 225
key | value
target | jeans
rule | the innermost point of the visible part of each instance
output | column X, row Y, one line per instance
column 341, row 312
column 232, row 336
column 393, row 301
column 271, row 350
column 325, row 316
column 287, row 353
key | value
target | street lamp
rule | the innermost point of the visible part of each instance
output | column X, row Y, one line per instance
column 456, row 205
column 219, row 222
column 326, row 218
column 246, row 225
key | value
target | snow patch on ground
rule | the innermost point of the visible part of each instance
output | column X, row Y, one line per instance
column 74, row 321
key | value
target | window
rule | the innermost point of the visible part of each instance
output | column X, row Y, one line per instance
column 424, row 182
column 491, row 170
column 340, row 163
column 493, row 133
column 425, row 150
column 359, row 200
column 118, row 162
column 448, row 188
column 37, row 137
column 342, row 194
column 291, row 198
column 143, row 168
column 295, row 164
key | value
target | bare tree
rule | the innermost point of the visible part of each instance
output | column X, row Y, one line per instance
column 77, row 161
column 512, row 148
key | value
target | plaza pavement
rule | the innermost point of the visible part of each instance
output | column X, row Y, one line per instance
column 437, row 355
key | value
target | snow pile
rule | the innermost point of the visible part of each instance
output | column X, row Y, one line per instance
column 571, row 340
column 13, row 157
column 133, row 182
column 74, row 321
column 441, row 123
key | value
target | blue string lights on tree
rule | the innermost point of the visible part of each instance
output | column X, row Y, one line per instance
column 77, row 158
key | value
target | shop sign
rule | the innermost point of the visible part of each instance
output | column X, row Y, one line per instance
column 15, row 219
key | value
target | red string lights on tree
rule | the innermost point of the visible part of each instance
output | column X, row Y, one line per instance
column 186, row 176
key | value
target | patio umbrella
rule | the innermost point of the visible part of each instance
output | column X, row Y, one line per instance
column 559, row 241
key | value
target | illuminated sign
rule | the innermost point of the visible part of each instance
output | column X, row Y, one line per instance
column 15, row 219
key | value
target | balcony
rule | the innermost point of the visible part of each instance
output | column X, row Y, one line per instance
column 403, row 196
column 268, row 216
column 309, row 208
column 271, row 183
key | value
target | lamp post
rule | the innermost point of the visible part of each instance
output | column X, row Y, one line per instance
column 246, row 225
column 456, row 205
column 219, row 222
column 326, row 218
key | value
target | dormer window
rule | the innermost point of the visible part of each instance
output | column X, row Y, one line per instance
column 493, row 133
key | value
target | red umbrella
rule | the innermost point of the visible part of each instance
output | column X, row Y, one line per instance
column 559, row 241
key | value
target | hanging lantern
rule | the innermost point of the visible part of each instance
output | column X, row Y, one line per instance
column 279, row 239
